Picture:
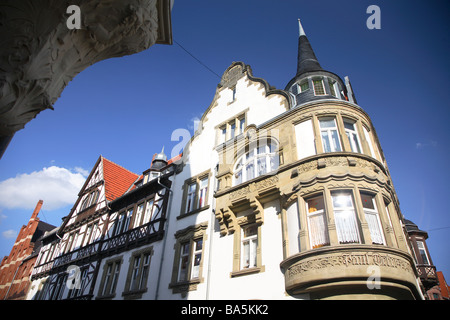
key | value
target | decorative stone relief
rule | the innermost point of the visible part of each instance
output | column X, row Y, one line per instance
column 40, row 55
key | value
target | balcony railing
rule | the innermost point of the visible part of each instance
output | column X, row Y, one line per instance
column 152, row 231
column 147, row 232
column 427, row 274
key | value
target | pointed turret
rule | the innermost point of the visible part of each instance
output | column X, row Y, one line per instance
column 311, row 81
column 306, row 59
column 159, row 160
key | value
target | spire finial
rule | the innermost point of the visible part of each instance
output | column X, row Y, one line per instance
column 300, row 29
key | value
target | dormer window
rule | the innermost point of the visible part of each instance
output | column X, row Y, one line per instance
column 304, row 86
column 319, row 89
column 332, row 85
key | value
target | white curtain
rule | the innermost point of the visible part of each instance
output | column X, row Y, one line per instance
column 318, row 229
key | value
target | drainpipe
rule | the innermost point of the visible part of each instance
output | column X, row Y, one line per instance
column 211, row 236
column 169, row 200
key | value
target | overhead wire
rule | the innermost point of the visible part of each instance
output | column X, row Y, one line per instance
column 198, row 60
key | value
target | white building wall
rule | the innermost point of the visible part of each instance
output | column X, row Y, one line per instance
column 218, row 284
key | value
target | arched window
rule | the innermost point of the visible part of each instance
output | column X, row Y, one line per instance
column 256, row 162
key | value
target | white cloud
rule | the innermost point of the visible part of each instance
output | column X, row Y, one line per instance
column 56, row 186
column 421, row 145
column 9, row 234
column 82, row 171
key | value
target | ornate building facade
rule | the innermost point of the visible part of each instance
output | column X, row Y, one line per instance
column 280, row 194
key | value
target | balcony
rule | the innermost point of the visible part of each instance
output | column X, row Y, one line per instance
column 338, row 272
column 152, row 231
column 427, row 274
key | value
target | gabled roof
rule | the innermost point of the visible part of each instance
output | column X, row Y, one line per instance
column 117, row 179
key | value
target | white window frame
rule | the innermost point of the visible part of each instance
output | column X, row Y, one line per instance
column 248, row 165
column 139, row 214
column 317, row 240
column 328, row 131
column 345, row 218
column 375, row 227
column 352, row 135
column 202, row 195
column 196, row 258
column 249, row 260
column 190, row 198
column 421, row 247
column 322, row 84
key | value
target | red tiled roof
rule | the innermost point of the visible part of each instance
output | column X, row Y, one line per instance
column 117, row 179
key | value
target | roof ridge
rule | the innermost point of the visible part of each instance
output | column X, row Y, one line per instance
column 118, row 165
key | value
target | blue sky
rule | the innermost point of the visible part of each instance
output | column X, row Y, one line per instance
column 126, row 109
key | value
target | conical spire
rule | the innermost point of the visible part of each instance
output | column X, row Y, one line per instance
column 307, row 60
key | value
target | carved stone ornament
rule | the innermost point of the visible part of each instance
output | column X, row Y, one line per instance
column 40, row 54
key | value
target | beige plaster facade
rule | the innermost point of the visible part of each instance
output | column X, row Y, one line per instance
column 334, row 269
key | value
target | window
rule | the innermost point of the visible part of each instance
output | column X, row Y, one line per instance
column 197, row 258
column 256, row 162
column 90, row 234
column 304, row 86
column 77, row 290
column 122, row 222
column 372, row 218
column 331, row 84
column 187, row 264
column 138, row 271
column 319, row 90
column 184, row 261
column 423, row 252
column 90, row 200
column 249, row 246
column 195, row 194
column 109, row 279
column 190, row 259
column 231, row 129
column 344, row 216
column 71, row 242
column 139, row 215
column 329, row 134
column 352, row 135
column 203, row 192
column 148, row 212
column 190, row 197
column 59, row 287
column 241, row 125
column 317, row 223
column 233, row 97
